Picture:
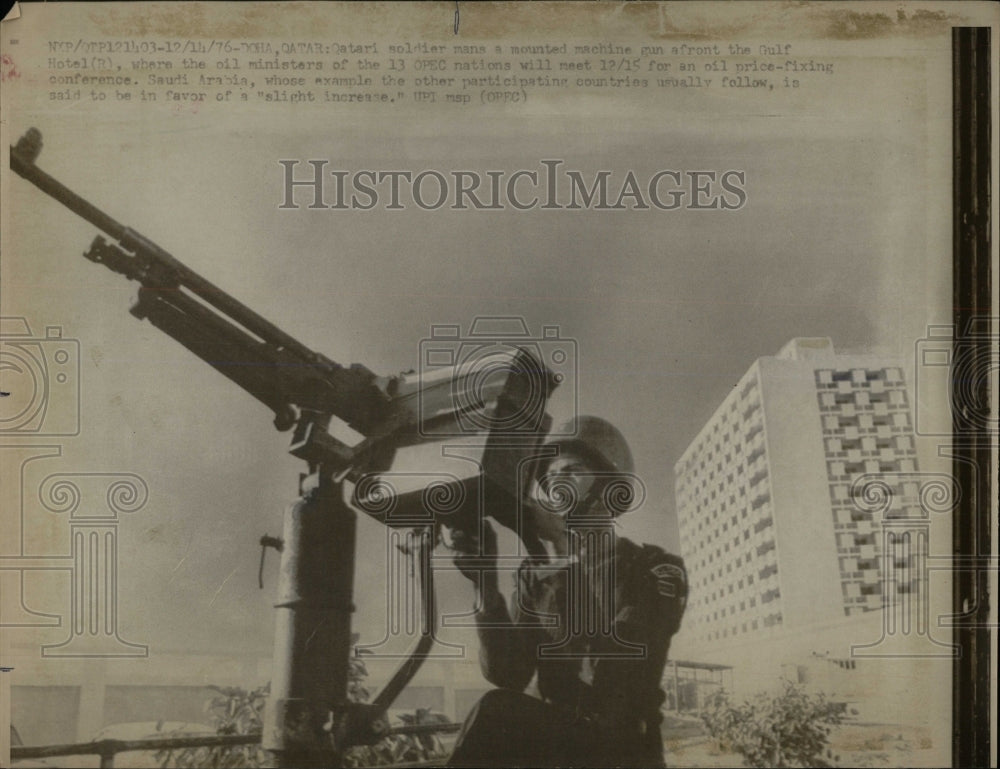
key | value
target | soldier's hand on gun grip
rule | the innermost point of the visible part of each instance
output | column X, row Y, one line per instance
column 476, row 553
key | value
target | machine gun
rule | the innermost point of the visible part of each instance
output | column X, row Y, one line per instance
column 306, row 391
column 302, row 387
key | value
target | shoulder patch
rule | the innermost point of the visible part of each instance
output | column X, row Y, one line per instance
column 670, row 580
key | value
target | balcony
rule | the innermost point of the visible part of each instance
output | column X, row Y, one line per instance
column 766, row 523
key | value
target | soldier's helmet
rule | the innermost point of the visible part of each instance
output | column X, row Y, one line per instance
column 596, row 440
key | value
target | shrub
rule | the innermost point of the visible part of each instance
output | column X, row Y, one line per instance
column 233, row 711
column 788, row 729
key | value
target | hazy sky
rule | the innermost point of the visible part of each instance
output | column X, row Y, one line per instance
column 667, row 308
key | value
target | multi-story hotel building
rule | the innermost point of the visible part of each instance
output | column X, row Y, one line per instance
column 772, row 529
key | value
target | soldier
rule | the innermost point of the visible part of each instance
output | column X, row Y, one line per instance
column 590, row 623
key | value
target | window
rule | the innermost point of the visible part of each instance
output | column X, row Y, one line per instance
column 766, row 548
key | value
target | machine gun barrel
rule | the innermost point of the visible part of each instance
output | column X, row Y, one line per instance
column 219, row 329
column 22, row 162
column 282, row 372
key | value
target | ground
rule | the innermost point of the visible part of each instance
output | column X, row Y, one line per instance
column 856, row 743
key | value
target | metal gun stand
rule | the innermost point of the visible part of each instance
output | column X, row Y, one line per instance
column 310, row 721
column 312, row 640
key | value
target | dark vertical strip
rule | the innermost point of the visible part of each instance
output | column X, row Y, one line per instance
column 972, row 356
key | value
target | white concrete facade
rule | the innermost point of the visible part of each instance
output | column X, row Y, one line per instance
column 771, row 529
